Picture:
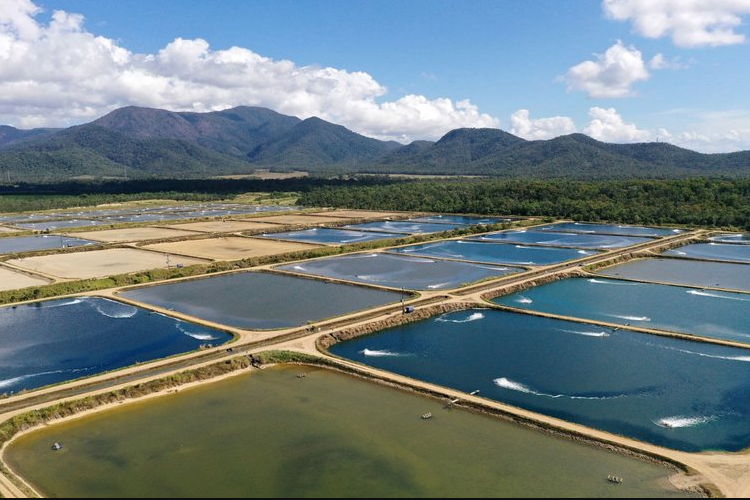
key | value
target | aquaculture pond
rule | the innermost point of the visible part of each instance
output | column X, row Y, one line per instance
column 685, row 272
column 405, row 227
column 549, row 238
column 63, row 224
column 713, row 251
column 329, row 236
column 36, row 243
column 270, row 434
column 675, row 393
column 720, row 315
column 495, row 253
column 468, row 220
column 400, row 271
column 148, row 217
column 262, row 300
column 742, row 239
column 59, row 340
column 582, row 227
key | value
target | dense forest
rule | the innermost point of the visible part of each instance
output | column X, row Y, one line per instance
column 705, row 202
column 24, row 197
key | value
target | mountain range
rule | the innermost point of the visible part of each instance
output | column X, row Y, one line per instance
column 140, row 142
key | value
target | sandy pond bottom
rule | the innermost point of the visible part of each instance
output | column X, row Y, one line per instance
column 271, row 434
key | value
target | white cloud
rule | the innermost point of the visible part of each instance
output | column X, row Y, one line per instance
column 542, row 128
column 611, row 75
column 660, row 62
column 690, row 23
column 607, row 125
column 715, row 131
column 60, row 73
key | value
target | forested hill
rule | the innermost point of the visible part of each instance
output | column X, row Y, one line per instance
column 144, row 143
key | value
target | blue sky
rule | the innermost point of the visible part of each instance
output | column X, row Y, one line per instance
column 618, row 70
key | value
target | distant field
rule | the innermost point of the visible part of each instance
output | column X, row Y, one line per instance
column 230, row 248
column 265, row 175
column 135, row 234
column 360, row 214
column 223, row 226
column 99, row 263
column 302, row 219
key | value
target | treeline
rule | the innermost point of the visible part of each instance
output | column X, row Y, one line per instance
column 705, row 202
column 23, row 197
column 207, row 186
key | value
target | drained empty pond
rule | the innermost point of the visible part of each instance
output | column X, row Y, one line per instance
column 262, row 300
column 58, row 340
column 397, row 271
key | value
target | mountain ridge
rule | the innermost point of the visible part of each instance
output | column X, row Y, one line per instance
column 149, row 142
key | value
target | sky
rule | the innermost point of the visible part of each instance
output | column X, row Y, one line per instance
column 618, row 70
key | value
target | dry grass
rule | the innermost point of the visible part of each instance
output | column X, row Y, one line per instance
column 99, row 263
column 361, row 214
column 12, row 280
column 133, row 234
column 231, row 248
column 302, row 219
column 226, row 226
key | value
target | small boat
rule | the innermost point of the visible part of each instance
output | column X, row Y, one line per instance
column 614, row 479
column 427, row 416
column 57, row 447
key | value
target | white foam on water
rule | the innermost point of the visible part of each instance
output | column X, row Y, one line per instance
column 703, row 293
column 13, row 381
column 631, row 318
column 474, row 317
column 745, row 359
column 420, row 260
column 612, row 282
column 587, row 334
column 585, row 252
column 379, row 354
column 197, row 336
column 354, row 239
column 438, row 285
column 61, row 304
column 491, row 268
column 115, row 310
column 524, row 300
column 511, row 385
column 680, row 421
